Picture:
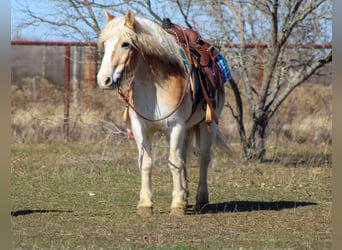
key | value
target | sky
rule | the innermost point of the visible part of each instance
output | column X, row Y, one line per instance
column 41, row 32
column 44, row 32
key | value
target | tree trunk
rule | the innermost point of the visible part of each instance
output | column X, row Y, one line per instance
column 255, row 147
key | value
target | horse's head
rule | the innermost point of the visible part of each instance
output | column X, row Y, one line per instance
column 119, row 60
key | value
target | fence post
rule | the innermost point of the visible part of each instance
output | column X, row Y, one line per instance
column 74, row 78
column 261, row 64
column 66, row 92
column 90, row 67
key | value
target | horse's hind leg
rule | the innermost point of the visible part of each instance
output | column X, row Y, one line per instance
column 206, row 139
column 188, row 145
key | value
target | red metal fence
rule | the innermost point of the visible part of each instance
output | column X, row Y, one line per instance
column 90, row 62
column 67, row 56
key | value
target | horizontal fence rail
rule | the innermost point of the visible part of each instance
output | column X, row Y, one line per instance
column 287, row 46
column 48, row 43
column 236, row 45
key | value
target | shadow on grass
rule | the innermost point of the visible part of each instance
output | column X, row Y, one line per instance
column 37, row 211
column 247, row 206
column 224, row 207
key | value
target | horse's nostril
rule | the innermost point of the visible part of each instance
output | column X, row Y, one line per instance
column 108, row 80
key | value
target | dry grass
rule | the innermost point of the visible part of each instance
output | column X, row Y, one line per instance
column 305, row 117
column 40, row 117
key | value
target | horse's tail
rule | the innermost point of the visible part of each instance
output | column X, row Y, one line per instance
column 222, row 143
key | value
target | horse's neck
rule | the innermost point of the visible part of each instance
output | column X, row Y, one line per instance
column 146, row 82
column 157, row 84
column 154, row 72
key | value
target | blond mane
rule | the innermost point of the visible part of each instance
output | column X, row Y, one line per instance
column 149, row 38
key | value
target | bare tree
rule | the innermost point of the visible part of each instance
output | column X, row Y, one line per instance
column 275, row 25
column 285, row 31
column 271, row 23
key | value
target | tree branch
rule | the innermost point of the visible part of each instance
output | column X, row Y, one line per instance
column 82, row 17
column 299, row 78
column 95, row 25
column 185, row 15
column 296, row 16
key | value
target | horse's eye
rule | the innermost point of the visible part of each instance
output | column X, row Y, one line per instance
column 126, row 45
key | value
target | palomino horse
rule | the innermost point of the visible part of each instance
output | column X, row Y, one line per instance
column 160, row 100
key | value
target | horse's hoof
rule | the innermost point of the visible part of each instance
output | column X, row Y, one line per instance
column 177, row 211
column 144, row 211
column 202, row 208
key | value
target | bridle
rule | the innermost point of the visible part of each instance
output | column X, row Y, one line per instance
column 125, row 97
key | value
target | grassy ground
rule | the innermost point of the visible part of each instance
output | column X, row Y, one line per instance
column 83, row 196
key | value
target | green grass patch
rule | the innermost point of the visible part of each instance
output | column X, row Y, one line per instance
column 84, row 196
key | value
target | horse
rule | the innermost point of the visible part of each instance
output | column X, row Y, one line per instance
column 159, row 100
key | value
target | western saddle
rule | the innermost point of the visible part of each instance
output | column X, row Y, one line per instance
column 201, row 56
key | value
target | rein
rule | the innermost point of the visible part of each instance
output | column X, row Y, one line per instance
column 125, row 97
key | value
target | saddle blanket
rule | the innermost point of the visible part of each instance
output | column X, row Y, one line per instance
column 223, row 67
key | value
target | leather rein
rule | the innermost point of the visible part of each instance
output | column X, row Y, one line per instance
column 125, row 97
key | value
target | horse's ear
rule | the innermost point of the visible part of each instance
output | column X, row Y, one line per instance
column 109, row 16
column 130, row 20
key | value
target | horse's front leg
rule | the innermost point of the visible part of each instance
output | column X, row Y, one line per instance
column 145, row 203
column 145, row 162
column 176, row 164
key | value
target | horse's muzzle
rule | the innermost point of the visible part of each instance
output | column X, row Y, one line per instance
column 107, row 83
